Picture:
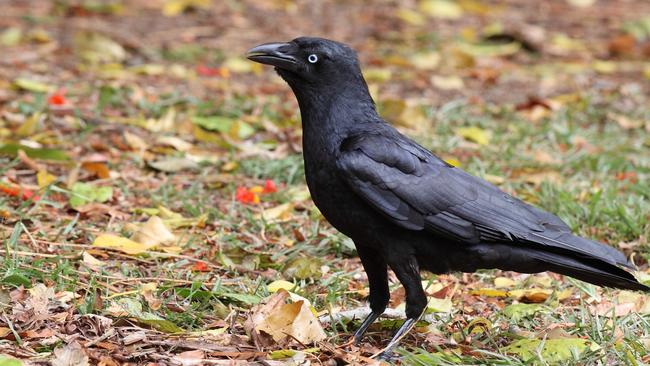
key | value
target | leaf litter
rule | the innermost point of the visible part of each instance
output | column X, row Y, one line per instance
column 152, row 205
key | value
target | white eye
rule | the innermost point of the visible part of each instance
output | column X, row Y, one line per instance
column 312, row 58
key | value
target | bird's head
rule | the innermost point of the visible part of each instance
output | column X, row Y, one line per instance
column 307, row 62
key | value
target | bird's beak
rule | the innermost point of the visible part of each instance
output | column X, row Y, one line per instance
column 274, row 54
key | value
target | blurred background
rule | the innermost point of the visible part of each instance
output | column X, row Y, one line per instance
column 144, row 160
column 433, row 50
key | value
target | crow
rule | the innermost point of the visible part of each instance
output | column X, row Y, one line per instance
column 404, row 207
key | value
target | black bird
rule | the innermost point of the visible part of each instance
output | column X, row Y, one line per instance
column 406, row 208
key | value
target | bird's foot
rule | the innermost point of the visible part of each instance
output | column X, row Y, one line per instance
column 386, row 356
column 387, row 353
column 358, row 335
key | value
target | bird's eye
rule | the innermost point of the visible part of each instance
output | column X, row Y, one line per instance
column 312, row 58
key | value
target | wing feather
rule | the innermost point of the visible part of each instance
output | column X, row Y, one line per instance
column 418, row 191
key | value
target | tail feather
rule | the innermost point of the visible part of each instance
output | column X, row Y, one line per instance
column 593, row 263
column 565, row 241
column 593, row 271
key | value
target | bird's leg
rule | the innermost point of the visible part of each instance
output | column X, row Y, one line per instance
column 377, row 271
column 408, row 273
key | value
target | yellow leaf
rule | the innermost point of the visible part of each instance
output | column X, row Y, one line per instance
column 441, row 9
column 494, row 179
column 44, row 179
column 125, row 245
column 503, row 282
column 97, row 48
column 175, row 7
column 410, row 16
column 279, row 213
column 376, row 74
column 453, row 162
column 489, row 292
column 280, row 284
column 436, row 305
column 298, row 194
column 426, row 60
column 239, row 65
column 135, row 142
column 474, row 134
column 604, row 67
column 447, row 82
column 153, row 233
column 581, row 3
column 30, row 125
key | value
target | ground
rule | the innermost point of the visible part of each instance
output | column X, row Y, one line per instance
column 153, row 208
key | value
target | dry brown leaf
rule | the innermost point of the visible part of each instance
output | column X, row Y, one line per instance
column 148, row 291
column 190, row 358
column 283, row 322
column 154, row 233
column 295, row 320
column 97, row 168
column 70, row 355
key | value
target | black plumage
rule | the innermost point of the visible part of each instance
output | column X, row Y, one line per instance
column 404, row 207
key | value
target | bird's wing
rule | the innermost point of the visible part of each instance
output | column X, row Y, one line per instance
column 418, row 191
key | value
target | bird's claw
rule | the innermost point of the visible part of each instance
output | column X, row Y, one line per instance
column 357, row 340
column 358, row 335
column 386, row 356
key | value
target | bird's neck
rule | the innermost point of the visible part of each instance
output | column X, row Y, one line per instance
column 335, row 113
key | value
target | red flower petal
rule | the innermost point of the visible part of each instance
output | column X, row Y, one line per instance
column 270, row 187
column 58, row 98
column 201, row 267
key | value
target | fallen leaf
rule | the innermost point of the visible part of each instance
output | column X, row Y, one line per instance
column 70, row 355
column 410, row 16
column 33, row 85
column 96, row 48
column 8, row 361
column 581, row 3
column 277, row 285
column 12, row 149
column 135, row 141
column 302, row 268
column 11, row 36
column 550, row 350
column 44, row 179
column 176, row 7
column 474, row 134
column 174, row 165
column 295, row 320
column 281, row 212
column 190, row 358
column 92, row 262
column 426, row 60
column 29, row 127
column 517, row 312
column 148, row 292
column 132, row 308
column 83, row 193
column 125, row 245
column 154, row 233
column 447, row 82
column 443, row 9
column 504, row 282
column 97, row 168
column 436, row 305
